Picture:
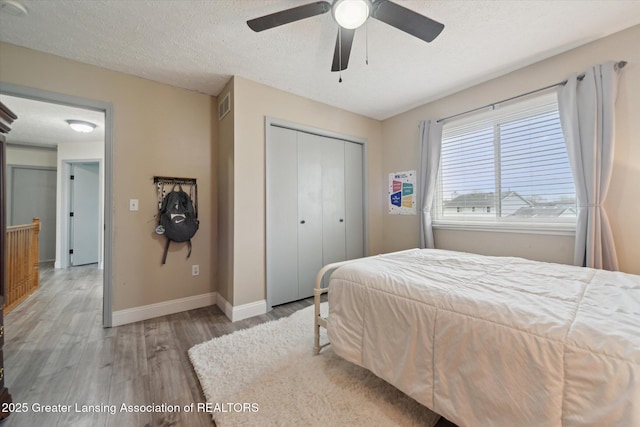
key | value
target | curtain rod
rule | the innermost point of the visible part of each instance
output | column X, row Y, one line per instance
column 619, row 64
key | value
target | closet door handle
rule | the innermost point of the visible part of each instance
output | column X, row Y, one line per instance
column 302, row 222
column 341, row 220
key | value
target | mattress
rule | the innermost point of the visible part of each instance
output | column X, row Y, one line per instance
column 494, row 340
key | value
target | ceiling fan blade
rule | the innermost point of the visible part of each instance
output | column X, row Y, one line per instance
column 289, row 15
column 406, row 20
column 346, row 37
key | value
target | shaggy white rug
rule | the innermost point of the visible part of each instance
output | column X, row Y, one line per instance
column 267, row 376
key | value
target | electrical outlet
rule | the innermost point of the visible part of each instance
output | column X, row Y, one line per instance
column 133, row 204
column 195, row 270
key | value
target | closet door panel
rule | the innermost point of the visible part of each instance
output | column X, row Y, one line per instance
column 333, row 202
column 282, row 216
column 309, row 212
column 354, row 200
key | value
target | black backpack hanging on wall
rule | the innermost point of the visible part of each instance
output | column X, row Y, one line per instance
column 179, row 218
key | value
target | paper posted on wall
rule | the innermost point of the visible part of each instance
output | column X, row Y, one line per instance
column 402, row 196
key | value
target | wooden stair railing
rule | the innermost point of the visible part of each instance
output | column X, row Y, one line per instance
column 22, row 252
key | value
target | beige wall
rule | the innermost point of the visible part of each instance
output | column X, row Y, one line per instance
column 225, row 170
column 400, row 148
column 31, row 156
column 158, row 130
column 252, row 102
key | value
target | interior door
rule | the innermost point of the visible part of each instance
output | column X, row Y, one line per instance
column 333, row 198
column 282, row 216
column 85, row 206
column 354, row 199
column 309, row 212
column 33, row 195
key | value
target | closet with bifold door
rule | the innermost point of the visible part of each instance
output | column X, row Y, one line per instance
column 315, row 213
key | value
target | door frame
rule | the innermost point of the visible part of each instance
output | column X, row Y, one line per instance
column 65, row 195
column 108, row 199
column 271, row 121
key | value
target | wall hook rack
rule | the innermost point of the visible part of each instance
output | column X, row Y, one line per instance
column 164, row 182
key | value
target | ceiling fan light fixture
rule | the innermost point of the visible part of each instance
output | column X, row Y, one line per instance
column 13, row 8
column 81, row 126
column 351, row 14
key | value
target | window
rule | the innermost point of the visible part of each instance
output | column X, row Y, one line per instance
column 513, row 162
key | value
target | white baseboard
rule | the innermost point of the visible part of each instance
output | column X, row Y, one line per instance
column 241, row 312
column 246, row 311
column 225, row 306
column 235, row 314
column 131, row 315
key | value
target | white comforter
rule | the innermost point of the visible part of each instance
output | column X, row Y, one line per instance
column 493, row 341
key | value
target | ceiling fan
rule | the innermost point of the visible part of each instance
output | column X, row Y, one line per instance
column 351, row 14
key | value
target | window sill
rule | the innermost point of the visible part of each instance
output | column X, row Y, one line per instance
column 568, row 229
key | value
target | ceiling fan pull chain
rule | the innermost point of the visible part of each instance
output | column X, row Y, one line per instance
column 340, row 54
column 366, row 41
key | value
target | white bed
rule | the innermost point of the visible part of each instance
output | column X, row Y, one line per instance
column 492, row 340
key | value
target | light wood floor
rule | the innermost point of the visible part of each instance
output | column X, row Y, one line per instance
column 57, row 353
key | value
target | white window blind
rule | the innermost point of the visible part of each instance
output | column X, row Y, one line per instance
column 506, row 166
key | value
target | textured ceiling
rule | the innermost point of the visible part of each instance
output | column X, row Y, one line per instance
column 200, row 44
column 44, row 124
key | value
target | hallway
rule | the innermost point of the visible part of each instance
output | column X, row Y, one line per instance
column 55, row 347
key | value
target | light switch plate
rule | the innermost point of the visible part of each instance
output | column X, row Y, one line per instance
column 133, row 204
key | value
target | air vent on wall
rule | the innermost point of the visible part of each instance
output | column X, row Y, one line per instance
column 224, row 106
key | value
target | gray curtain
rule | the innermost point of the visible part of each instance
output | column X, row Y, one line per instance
column 587, row 108
column 430, row 133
